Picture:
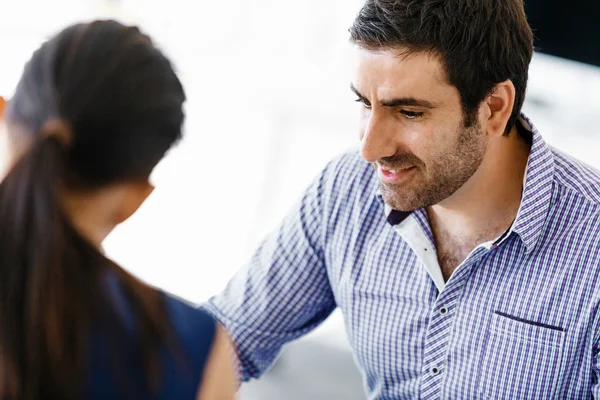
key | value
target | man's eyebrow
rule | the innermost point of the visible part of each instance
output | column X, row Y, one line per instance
column 356, row 92
column 408, row 102
column 402, row 101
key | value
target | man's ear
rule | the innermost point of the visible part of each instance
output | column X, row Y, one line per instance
column 498, row 107
column 135, row 195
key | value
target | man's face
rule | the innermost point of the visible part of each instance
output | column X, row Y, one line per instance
column 412, row 128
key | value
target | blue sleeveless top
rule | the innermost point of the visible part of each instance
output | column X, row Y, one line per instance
column 116, row 363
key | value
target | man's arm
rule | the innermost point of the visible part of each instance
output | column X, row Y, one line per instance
column 596, row 376
column 283, row 292
column 596, row 354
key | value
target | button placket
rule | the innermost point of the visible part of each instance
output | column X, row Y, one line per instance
column 435, row 370
column 440, row 329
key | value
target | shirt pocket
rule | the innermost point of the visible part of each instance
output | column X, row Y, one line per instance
column 522, row 359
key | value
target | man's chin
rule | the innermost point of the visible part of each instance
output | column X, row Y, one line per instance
column 400, row 203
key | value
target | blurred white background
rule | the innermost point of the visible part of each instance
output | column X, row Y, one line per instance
column 268, row 106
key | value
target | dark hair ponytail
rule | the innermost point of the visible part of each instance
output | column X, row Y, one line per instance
column 42, row 329
column 53, row 282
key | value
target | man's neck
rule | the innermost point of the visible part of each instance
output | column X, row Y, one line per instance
column 488, row 203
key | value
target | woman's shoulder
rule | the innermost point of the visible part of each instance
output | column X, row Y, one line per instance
column 185, row 361
column 191, row 325
column 186, row 316
column 191, row 334
column 195, row 328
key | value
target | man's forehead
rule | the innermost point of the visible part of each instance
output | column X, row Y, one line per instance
column 389, row 78
column 392, row 69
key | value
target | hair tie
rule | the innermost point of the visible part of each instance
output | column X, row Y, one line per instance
column 58, row 129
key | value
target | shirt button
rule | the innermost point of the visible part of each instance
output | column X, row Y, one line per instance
column 434, row 371
column 443, row 311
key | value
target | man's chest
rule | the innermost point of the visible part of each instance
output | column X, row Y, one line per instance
column 450, row 254
column 452, row 249
column 474, row 338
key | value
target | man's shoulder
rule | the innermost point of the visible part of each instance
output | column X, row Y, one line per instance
column 577, row 177
column 349, row 185
column 348, row 172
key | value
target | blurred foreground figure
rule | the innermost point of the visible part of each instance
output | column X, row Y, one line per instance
column 461, row 249
column 96, row 109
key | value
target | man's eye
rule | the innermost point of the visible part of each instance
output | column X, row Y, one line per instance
column 411, row 114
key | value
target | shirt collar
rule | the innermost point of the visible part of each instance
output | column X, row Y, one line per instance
column 537, row 193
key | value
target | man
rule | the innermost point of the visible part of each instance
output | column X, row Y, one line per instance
column 462, row 250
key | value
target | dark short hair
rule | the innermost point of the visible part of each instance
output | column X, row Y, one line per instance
column 480, row 42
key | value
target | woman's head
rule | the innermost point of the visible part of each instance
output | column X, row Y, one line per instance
column 97, row 107
column 108, row 97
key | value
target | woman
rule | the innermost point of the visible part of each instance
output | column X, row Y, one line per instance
column 97, row 107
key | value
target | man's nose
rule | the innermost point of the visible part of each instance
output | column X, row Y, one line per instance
column 376, row 140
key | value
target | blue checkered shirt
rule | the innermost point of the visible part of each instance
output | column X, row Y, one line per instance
column 518, row 319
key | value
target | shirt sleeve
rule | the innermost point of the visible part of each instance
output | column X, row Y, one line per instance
column 595, row 377
column 283, row 292
column 595, row 364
